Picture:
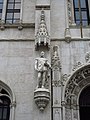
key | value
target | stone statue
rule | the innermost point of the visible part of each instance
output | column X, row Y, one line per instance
column 42, row 66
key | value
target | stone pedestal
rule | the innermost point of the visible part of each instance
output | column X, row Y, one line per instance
column 41, row 97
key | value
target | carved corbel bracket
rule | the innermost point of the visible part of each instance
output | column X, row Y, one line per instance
column 41, row 97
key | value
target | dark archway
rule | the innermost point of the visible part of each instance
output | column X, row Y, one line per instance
column 84, row 104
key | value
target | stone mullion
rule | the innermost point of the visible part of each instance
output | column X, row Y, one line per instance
column 63, row 110
column 78, row 112
column 72, row 106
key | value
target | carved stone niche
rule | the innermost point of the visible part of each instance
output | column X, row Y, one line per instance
column 41, row 97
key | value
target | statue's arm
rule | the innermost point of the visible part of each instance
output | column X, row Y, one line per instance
column 36, row 62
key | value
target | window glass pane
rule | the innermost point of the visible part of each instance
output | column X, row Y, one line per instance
column 84, row 15
column 9, row 15
column 77, row 15
column 9, row 21
column 17, row 6
column 1, row 6
column 0, row 112
column 83, row 3
column 10, row 6
column 17, row 0
column 16, row 15
column 16, row 21
column 4, row 113
column 1, row 1
column 78, row 22
column 10, row 0
column 76, row 3
column 85, row 23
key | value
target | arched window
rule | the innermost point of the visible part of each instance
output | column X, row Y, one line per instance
column 4, row 105
column 81, row 12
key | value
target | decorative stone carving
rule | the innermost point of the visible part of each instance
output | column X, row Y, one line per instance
column 55, row 58
column 42, row 66
column 2, row 24
column 79, row 79
column 77, row 65
column 67, row 35
column 41, row 97
column 42, row 93
column 56, row 83
column 69, row 11
column 87, row 57
column 42, row 37
column 65, row 77
column 56, row 67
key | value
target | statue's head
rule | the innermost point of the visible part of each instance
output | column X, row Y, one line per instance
column 42, row 54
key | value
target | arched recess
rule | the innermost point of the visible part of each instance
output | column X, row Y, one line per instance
column 72, row 90
column 84, row 103
column 7, row 98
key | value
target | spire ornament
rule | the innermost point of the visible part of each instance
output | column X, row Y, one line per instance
column 42, row 37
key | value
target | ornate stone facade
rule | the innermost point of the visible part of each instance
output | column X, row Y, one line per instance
column 48, row 26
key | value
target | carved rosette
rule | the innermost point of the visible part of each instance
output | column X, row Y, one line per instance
column 41, row 97
column 42, row 37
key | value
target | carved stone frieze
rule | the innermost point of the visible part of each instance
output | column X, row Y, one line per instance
column 42, row 37
column 41, row 97
column 79, row 79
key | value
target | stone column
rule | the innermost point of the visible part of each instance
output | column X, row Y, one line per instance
column 63, row 110
column 56, row 84
column 67, row 30
column 4, row 10
column 78, row 112
column 72, row 117
column 72, row 8
column 3, row 14
column 12, row 110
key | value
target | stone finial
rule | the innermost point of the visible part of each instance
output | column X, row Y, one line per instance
column 42, row 37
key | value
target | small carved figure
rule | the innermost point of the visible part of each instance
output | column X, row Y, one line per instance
column 42, row 66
